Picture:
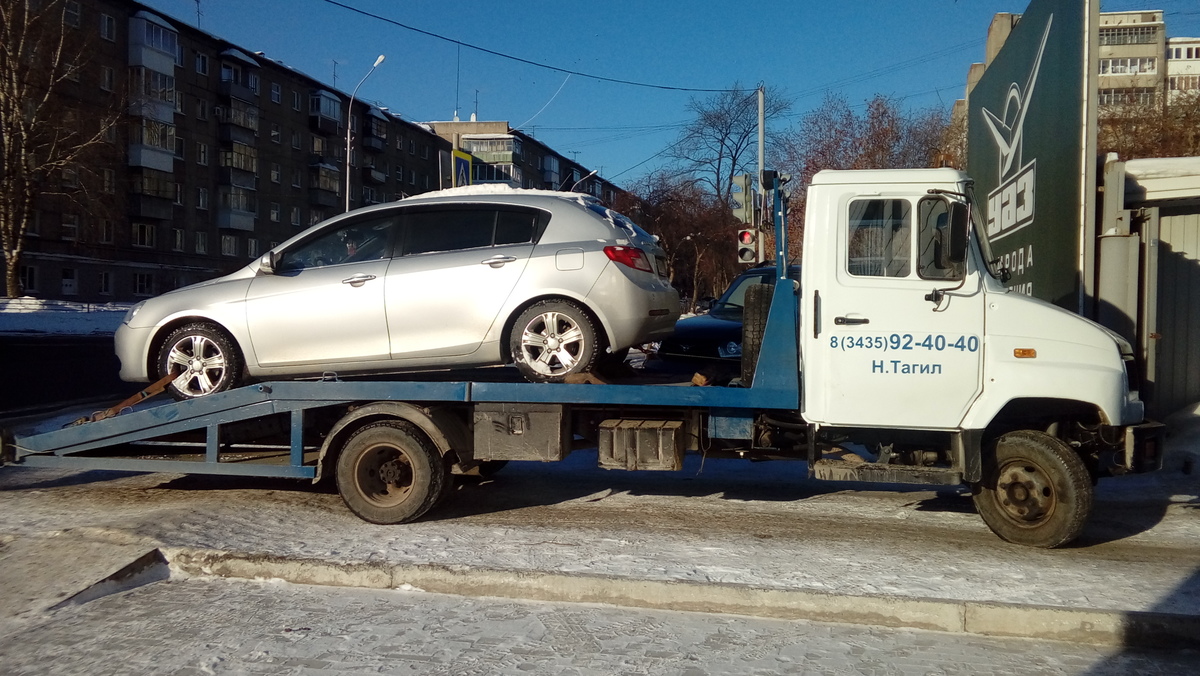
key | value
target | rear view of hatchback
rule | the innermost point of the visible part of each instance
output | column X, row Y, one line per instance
column 552, row 282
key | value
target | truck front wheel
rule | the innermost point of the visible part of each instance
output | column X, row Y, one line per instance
column 388, row 472
column 1035, row 490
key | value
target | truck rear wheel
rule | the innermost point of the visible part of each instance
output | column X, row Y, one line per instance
column 1035, row 491
column 388, row 472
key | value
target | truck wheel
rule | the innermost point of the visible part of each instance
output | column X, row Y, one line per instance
column 1035, row 491
column 754, row 325
column 388, row 472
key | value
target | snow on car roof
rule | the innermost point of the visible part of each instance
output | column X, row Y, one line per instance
column 500, row 189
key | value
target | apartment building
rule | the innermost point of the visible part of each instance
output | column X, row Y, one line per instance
column 1183, row 67
column 510, row 156
column 1131, row 51
column 225, row 153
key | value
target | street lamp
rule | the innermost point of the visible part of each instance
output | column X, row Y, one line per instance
column 349, row 114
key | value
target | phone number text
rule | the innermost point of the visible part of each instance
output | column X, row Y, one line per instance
column 906, row 341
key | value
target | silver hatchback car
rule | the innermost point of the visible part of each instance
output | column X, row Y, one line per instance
column 552, row 282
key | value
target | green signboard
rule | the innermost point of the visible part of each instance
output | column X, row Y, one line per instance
column 1028, row 150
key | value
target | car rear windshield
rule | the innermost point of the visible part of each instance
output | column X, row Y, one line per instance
column 621, row 220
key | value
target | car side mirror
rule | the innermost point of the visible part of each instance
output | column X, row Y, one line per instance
column 960, row 221
column 268, row 262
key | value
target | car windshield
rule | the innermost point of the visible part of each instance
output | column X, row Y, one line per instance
column 731, row 303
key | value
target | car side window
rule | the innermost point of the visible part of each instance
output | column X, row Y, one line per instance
column 458, row 228
column 361, row 240
column 879, row 238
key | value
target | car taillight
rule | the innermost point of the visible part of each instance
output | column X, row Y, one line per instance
column 628, row 255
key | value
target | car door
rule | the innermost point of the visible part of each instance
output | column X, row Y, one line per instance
column 324, row 301
column 887, row 353
column 457, row 267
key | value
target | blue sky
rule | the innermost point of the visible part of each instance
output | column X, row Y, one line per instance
column 914, row 50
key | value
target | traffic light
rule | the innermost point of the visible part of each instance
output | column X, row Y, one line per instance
column 747, row 245
column 741, row 198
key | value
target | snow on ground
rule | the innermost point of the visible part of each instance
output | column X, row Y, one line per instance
column 34, row 316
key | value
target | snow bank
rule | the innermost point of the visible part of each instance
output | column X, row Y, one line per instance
column 35, row 316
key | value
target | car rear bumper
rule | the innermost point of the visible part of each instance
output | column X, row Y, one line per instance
column 635, row 312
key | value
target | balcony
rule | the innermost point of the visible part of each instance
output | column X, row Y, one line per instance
column 239, row 178
column 230, row 132
column 322, row 124
column 318, row 197
column 150, row 206
column 374, row 143
column 231, row 89
column 235, row 219
column 373, row 175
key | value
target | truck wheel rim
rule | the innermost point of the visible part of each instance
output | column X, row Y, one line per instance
column 1025, row 493
column 384, row 475
column 551, row 343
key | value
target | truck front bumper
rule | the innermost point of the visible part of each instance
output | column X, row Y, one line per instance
column 1144, row 447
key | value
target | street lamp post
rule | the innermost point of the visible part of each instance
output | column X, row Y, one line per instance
column 349, row 114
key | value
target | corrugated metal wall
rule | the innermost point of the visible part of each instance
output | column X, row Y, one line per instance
column 1178, row 351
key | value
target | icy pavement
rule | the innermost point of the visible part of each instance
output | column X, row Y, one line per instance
column 201, row 626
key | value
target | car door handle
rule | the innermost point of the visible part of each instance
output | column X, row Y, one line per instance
column 358, row 280
column 498, row 261
column 850, row 321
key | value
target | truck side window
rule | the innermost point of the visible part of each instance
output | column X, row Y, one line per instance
column 880, row 239
column 933, row 241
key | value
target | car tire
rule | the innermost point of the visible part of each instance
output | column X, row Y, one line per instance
column 553, row 339
column 205, row 358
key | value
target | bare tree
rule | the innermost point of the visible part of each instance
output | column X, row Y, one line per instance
column 722, row 140
column 1138, row 130
column 49, row 139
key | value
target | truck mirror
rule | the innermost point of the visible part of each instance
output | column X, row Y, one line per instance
column 959, row 223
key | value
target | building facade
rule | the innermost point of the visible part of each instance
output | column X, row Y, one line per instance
column 1132, row 67
column 1183, row 68
column 225, row 153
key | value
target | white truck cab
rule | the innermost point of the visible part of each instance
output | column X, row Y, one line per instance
column 908, row 333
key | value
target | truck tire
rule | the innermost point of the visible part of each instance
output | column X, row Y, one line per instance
column 754, row 325
column 1036, row 490
column 388, row 472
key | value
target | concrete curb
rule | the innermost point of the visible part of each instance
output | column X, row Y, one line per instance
column 1076, row 625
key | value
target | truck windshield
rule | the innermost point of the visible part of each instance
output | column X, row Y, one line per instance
column 980, row 234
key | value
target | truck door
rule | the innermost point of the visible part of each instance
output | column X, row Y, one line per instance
column 883, row 352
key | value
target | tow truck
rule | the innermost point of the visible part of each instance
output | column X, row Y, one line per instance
column 899, row 357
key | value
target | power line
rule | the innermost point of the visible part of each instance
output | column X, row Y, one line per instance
column 518, row 59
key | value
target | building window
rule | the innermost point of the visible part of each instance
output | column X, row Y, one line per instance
column 70, row 176
column 296, row 100
column 201, row 109
column 202, row 64
column 202, row 153
column 70, row 285
column 143, row 235
column 202, row 242
column 296, row 140
column 108, row 181
column 143, row 284
column 1129, row 66
column 71, row 13
column 1183, row 83
column 108, row 78
column 296, row 178
column 180, row 239
column 152, row 84
column 241, row 156
column 1129, row 35
column 1128, row 96
column 108, row 28
column 107, row 230
column 252, row 82
column 70, row 227
column 179, row 144
column 179, row 101
column 274, row 212
column 276, row 172
column 202, row 198
column 29, row 278
column 252, row 248
column 104, row 283
column 296, row 216
column 162, row 39
column 155, row 134
column 276, row 133
column 179, row 194
column 34, row 228
column 229, row 245
column 276, row 93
